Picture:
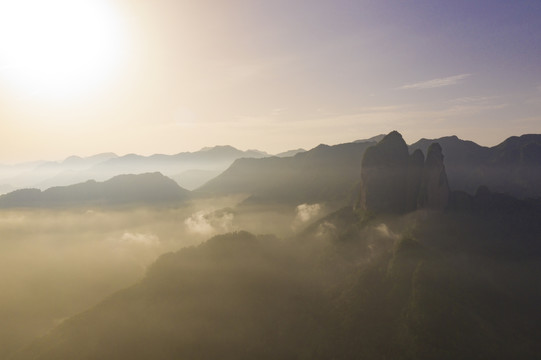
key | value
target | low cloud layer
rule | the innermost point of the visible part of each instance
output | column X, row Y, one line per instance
column 209, row 222
column 306, row 212
column 140, row 238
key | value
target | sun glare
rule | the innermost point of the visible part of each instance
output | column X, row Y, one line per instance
column 57, row 47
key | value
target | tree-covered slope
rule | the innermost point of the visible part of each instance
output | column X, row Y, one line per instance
column 461, row 284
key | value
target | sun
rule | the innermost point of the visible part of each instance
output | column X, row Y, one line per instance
column 58, row 47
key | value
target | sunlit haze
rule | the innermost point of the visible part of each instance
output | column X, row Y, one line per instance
column 54, row 49
column 270, row 179
column 84, row 77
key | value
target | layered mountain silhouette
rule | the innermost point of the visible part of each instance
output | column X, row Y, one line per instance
column 74, row 169
column 150, row 188
column 512, row 167
column 290, row 153
column 389, row 279
column 325, row 173
column 329, row 173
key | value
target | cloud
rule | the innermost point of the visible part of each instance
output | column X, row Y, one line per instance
column 140, row 239
column 208, row 222
column 384, row 231
column 473, row 100
column 305, row 212
column 326, row 228
column 436, row 83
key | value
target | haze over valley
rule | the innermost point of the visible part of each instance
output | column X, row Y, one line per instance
column 280, row 179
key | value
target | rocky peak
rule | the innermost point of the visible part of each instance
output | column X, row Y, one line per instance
column 416, row 165
column 383, row 173
column 393, row 181
column 434, row 193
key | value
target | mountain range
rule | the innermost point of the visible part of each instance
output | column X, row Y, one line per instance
column 148, row 189
column 410, row 270
column 332, row 173
column 460, row 284
column 329, row 174
column 325, row 173
column 200, row 165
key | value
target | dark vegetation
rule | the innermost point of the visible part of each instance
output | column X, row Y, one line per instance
column 463, row 284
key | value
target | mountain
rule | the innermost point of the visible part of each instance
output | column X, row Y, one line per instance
column 374, row 282
column 332, row 173
column 512, row 167
column 323, row 174
column 376, row 138
column 290, row 153
column 83, row 162
column 100, row 167
column 192, row 179
column 429, row 285
column 383, row 170
column 150, row 188
column 218, row 157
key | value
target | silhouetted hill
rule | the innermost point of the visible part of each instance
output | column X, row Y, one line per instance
column 150, row 188
column 512, row 167
column 430, row 285
column 88, row 161
column 376, row 138
column 330, row 173
column 192, row 179
column 215, row 159
column 323, row 174
column 205, row 159
column 290, row 153
column 100, row 167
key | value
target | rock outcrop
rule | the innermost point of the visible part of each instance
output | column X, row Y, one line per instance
column 434, row 193
column 383, row 175
column 393, row 181
column 415, row 177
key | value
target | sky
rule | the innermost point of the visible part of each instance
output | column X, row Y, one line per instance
column 166, row 76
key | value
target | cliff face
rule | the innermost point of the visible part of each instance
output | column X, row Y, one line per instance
column 392, row 181
column 414, row 179
column 383, row 175
column 434, row 193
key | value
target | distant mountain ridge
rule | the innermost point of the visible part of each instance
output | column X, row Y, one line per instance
column 325, row 173
column 512, row 167
column 332, row 173
column 290, row 152
column 148, row 189
column 100, row 167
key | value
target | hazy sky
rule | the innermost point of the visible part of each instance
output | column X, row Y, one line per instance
column 274, row 75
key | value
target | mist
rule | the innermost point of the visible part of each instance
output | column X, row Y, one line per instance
column 55, row 263
column 302, row 269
